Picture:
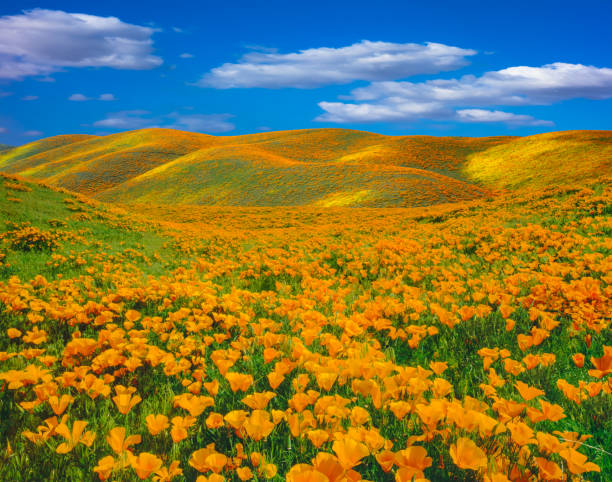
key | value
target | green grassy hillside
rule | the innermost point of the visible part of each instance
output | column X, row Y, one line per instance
column 543, row 160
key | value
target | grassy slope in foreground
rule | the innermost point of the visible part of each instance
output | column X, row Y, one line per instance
column 85, row 229
column 543, row 160
column 318, row 166
column 340, row 315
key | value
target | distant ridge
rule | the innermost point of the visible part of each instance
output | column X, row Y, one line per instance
column 324, row 167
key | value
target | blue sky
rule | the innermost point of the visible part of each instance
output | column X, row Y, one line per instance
column 442, row 68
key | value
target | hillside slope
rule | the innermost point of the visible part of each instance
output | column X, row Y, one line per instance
column 322, row 167
column 543, row 160
column 327, row 167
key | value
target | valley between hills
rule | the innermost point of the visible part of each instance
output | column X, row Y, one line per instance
column 183, row 307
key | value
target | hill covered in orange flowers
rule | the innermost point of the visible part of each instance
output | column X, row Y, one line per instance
column 315, row 167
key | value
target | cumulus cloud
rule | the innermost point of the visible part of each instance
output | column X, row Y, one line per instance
column 3, row 130
column 186, row 55
column 140, row 119
column 33, row 133
column 107, row 97
column 30, row 97
column 437, row 99
column 40, row 41
column 366, row 60
column 483, row 115
column 512, row 86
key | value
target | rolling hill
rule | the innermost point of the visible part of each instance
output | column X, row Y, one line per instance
column 318, row 167
column 543, row 160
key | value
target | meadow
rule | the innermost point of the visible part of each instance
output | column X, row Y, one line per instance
column 462, row 341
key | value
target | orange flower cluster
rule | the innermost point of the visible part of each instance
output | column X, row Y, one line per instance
column 467, row 341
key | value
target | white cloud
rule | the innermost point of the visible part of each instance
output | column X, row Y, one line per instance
column 30, row 97
column 39, row 42
column 78, row 97
column 512, row 86
column 140, row 119
column 437, row 99
column 3, row 130
column 186, row 55
column 33, row 133
column 81, row 97
column 126, row 119
column 208, row 123
column 340, row 112
column 366, row 60
column 483, row 115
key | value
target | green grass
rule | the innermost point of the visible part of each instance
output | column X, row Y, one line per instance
column 90, row 229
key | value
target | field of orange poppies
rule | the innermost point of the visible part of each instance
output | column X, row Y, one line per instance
column 465, row 341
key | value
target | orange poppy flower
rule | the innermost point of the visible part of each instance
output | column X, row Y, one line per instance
column 180, row 425
column 522, row 434
column 144, row 464
column 603, row 364
column 156, row 423
column 214, row 420
column 275, row 379
column 195, row 405
column 548, row 470
column 552, row 412
column 317, row 437
column 349, row 452
column 207, row 459
column 438, row 367
column 166, row 474
column 239, row 381
column 305, row 473
column 59, row 405
column 74, row 436
column 413, row 457
column 577, row 463
column 258, row 425
column 259, row 400
column 125, row 402
column 467, row 455
column 105, row 467
column 386, row 460
column 118, row 442
column 527, row 392
column 212, row 387
column 244, row 473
